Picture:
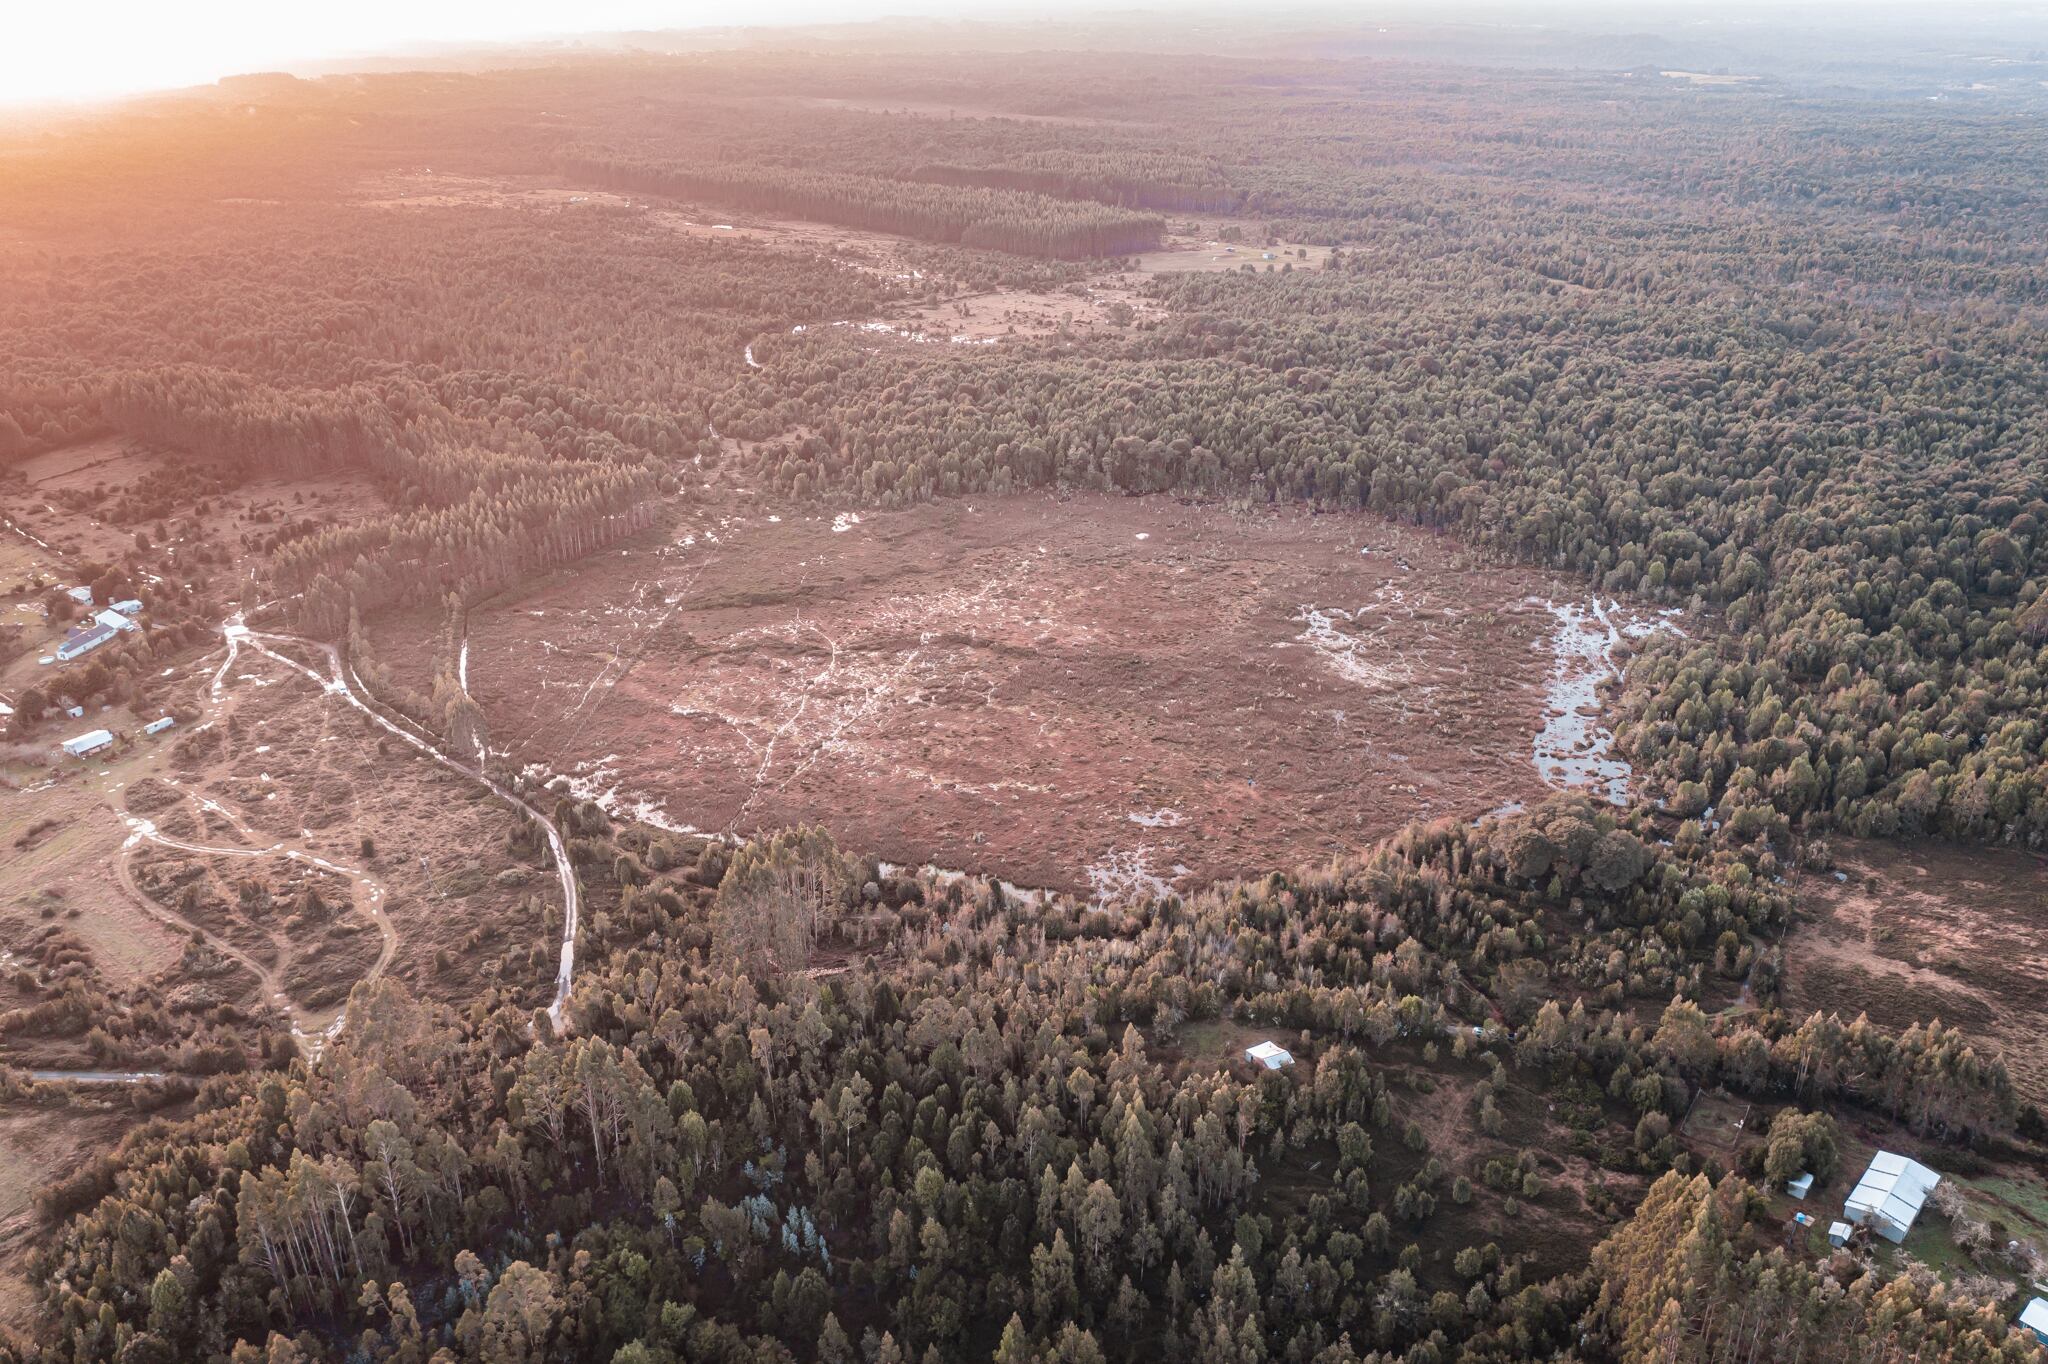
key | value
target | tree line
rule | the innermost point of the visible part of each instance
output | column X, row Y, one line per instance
column 985, row 1134
column 1020, row 222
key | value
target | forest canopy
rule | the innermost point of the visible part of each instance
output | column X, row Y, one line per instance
column 1762, row 357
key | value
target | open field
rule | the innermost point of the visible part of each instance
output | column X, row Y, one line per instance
column 1086, row 693
column 1924, row 930
column 36, row 1143
column 257, row 860
column 977, row 317
column 59, row 876
column 293, row 769
column 912, row 108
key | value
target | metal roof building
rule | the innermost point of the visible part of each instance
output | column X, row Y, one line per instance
column 1890, row 1195
column 92, row 741
column 1271, row 1055
column 83, row 640
column 2035, row 1318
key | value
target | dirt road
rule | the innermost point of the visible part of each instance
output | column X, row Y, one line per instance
column 342, row 682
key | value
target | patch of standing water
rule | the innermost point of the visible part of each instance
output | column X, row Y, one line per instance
column 594, row 781
column 1574, row 750
column 948, row 875
column 1352, row 656
column 1125, row 875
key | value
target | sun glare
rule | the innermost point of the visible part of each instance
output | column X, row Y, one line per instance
column 84, row 52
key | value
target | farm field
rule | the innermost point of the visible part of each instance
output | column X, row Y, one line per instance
column 1086, row 693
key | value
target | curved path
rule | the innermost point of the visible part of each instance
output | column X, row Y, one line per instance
column 342, row 682
column 312, row 1028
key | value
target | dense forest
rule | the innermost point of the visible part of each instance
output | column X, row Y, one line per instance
column 1770, row 355
column 982, row 1138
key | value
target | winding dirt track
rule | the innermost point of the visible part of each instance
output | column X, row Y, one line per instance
column 312, row 1028
column 342, row 682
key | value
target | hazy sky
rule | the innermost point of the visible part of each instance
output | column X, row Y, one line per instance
column 83, row 49
column 60, row 49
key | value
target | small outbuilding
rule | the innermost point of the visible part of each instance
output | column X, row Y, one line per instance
column 92, row 741
column 1839, row 1234
column 159, row 725
column 1271, row 1055
column 2034, row 1316
column 130, row 607
column 1890, row 1195
column 1800, row 1187
column 113, row 620
column 81, row 595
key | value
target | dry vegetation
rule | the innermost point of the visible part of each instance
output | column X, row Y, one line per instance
column 1909, row 931
column 1079, row 693
column 1218, row 579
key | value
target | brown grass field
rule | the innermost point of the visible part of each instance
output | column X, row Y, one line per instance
column 1924, row 930
column 1086, row 693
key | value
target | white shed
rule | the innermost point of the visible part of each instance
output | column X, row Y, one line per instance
column 159, row 725
column 1890, row 1195
column 1271, row 1055
column 92, row 741
column 2034, row 1316
column 1839, row 1233
column 1800, row 1187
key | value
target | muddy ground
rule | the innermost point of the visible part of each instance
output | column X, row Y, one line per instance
column 1088, row 693
column 1914, row 931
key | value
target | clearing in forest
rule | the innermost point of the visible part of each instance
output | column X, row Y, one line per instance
column 1085, row 693
column 1909, row 932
